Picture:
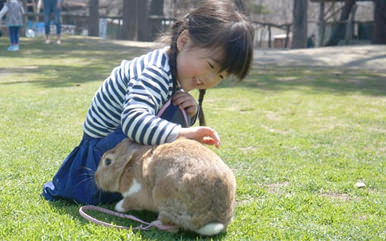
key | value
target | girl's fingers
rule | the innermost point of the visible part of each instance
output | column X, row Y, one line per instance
column 183, row 98
column 209, row 141
column 211, row 137
column 185, row 101
column 203, row 134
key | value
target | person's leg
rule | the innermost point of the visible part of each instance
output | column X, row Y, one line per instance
column 57, row 21
column 11, row 36
column 47, row 15
column 11, row 33
column 16, row 44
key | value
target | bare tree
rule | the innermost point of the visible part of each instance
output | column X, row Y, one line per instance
column 299, row 37
column 156, row 12
column 241, row 6
column 135, row 18
column 129, row 20
column 380, row 22
column 143, row 26
column 340, row 31
column 93, row 19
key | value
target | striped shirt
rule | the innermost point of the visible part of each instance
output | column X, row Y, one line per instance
column 130, row 97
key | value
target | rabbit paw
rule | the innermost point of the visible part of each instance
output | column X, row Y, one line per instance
column 119, row 206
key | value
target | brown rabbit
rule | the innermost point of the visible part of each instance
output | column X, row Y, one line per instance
column 184, row 181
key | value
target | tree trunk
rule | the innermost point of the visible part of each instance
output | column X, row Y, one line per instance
column 129, row 20
column 339, row 31
column 322, row 24
column 288, row 28
column 350, row 26
column 299, row 37
column 380, row 22
column 93, row 19
column 157, row 7
column 143, row 26
column 240, row 4
column 156, row 12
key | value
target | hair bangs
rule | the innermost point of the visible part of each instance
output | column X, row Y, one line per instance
column 238, row 50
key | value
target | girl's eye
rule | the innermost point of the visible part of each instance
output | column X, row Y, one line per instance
column 212, row 67
column 108, row 161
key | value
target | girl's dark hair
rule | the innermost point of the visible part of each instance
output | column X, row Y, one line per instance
column 212, row 25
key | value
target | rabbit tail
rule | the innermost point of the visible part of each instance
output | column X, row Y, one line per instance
column 211, row 229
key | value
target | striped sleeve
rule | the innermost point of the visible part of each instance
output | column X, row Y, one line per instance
column 145, row 96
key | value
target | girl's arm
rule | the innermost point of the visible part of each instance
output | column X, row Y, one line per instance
column 3, row 11
column 145, row 97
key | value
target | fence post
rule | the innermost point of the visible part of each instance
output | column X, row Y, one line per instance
column 269, row 36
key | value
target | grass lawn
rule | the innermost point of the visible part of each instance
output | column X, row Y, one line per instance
column 298, row 140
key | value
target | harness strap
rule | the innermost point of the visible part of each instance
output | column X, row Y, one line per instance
column 144, row 225
column 183, row 112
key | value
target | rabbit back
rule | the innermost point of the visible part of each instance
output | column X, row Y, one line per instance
column 193, row 187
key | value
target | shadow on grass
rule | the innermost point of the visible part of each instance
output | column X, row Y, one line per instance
column 54, row 76
column 97, row 59
column 68, row 208
column 339, row 81
column 74, row 62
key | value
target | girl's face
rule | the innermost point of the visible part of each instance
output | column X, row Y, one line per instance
column 197, row 68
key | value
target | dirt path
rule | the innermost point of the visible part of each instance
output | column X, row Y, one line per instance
column 371, row 57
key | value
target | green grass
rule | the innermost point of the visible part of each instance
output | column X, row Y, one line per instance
column 297, row 139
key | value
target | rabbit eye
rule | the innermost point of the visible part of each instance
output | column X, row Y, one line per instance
column 108, row 161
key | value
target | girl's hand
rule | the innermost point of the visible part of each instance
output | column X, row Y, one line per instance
column 203, row 134
column 186, row 101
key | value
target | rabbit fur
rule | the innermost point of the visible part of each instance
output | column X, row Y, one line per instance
column 186, row 183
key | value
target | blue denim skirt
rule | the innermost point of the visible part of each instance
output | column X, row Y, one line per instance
column 74, row 180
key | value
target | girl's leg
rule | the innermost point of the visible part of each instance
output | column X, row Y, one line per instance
column 11, row 35
column 47, row 13
column 17, row 28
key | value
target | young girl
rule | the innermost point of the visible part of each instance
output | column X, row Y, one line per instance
column 14, row 20
column 207, row 45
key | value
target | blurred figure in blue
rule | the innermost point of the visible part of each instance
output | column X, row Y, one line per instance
column 311, row 41
column 14, row 19
column 52, row 7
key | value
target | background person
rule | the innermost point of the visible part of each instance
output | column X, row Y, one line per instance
column 52, row 7
column 14, row 19
column 311, row 41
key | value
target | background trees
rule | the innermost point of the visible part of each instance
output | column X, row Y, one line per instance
column 299, row 37
column 143, row 19
column 93, row 19
column 380, row 22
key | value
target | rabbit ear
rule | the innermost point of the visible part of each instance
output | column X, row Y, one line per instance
column 125, row 147
column 119, row 156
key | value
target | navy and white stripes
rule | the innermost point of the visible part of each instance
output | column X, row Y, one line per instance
column 130, row 97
